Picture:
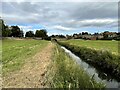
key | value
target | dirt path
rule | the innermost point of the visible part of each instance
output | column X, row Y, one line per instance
column 33, row 73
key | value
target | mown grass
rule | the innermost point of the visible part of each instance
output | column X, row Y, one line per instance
column 111, row 46
column 66, row 73
column 15, row 52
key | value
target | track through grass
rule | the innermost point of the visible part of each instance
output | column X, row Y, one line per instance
column 15, row 52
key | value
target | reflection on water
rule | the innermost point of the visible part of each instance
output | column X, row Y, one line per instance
column 98, row 75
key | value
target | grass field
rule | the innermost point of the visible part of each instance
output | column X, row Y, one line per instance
column 63, row 72
column 111, row 46
column 15, row 52
column 66, row 73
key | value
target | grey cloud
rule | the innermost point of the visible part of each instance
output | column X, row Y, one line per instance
column 95, row 10
column 53, row 13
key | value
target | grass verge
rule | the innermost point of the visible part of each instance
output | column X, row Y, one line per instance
column 100, row 59
column 65, row 73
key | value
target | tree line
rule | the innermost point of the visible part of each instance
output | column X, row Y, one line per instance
column 15, row 31
column 39, row 33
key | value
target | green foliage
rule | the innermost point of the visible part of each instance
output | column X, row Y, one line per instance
column 13, row 31
column 65, row 73
column 102, row 59
column 41, row 33
column 10, row 31
column 6, row 32
column 105, row 35
column 16, row 32
column 15, row 52
column 29, row 34
column 2, row 25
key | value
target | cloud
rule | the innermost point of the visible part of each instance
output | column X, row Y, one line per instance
column 98, row 22
column 55, row 33
column 92, row 23
column 19, row 1
column 64, row 16
column 58, row 27
column 25, row 27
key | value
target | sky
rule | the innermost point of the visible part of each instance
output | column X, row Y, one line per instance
column 61, row 17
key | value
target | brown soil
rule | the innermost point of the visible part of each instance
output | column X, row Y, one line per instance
column 32, row 74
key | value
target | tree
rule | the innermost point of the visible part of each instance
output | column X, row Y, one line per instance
column 61, row 36
column 41, row 33
column 2, row 27
column 84, row 33
column 16, row 32
column 96, row 34
column 29, row 34
column 21, row 34
column 105, row 34
column 10, row 31
column 53, row 36
column 6, row 32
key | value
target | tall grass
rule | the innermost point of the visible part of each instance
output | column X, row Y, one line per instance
column 65, row 73
column 100, row 59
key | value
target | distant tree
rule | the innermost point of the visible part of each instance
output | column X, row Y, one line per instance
column 6, row 32
column 52, row 36
column 29, row 34
column 68, row 36
column 105, row 34
column 61, row 36
column 10, row 31
column 21, row 33
column 84, row 33
column 41, row 33
column 16, row 32
column 75, row 35
column 80, row 33
column 2, row 27
column 96, row 34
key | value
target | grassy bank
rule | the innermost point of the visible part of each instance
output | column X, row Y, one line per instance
column 65, row 73
column 15, row 52
column 108, row 45
column 101, row 59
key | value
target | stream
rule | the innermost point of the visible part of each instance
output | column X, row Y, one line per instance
column 98, row 75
